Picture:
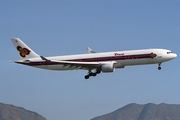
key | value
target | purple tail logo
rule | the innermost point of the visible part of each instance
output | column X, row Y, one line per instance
column 23, row 51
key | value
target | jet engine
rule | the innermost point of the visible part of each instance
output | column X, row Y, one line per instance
column 107, row 67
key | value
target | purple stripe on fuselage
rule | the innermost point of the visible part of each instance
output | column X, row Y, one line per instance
column 112, row 58
column 142, row 56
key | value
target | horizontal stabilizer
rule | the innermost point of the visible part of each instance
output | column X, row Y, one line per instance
column 43, row 58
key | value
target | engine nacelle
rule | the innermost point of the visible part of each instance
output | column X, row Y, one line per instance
column 107, row 67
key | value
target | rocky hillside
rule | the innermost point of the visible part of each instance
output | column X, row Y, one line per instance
column 10, row 112
column 148, row 111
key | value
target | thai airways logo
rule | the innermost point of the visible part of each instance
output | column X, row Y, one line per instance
column 153, row 55
column 23, row 51
column 118, row 54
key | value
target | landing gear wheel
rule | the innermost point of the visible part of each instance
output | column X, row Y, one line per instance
column 90, row 73
column 98, row 72
column 159, row 68
column 94, row 74
column 86, row 77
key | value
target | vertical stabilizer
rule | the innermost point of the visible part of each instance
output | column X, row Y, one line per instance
column 23, row 50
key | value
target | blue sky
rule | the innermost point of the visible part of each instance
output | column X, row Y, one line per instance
column 63, row 27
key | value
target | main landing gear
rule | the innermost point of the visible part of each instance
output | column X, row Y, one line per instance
column 159, row 68
column 90, row 73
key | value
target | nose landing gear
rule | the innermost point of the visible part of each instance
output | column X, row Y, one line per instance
column 159, row 68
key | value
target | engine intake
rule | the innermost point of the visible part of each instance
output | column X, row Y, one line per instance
column 107, row 67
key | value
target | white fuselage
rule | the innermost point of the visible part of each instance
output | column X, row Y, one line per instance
column 122, row 59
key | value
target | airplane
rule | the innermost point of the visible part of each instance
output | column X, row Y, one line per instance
column 99, row 62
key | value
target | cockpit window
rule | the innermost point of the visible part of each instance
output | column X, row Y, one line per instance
column 169, row 52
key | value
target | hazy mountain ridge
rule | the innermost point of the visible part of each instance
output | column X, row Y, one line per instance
column 11, row 112
column 148, row 111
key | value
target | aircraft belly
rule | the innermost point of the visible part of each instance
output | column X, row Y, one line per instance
column 137, row 62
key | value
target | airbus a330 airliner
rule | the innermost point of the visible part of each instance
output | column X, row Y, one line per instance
column 98, row 62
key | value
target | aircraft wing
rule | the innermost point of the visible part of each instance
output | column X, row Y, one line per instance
column 75, row 65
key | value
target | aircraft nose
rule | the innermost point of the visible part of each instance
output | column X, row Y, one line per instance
column 175, row 55
column 171, row 56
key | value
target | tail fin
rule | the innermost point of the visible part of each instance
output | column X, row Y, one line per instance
column 24, row 51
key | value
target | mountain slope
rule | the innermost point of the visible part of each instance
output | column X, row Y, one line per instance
column 148, row 111
column 10, row 112
column 160, row 112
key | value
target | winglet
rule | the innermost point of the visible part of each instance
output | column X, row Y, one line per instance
column 90, row 50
